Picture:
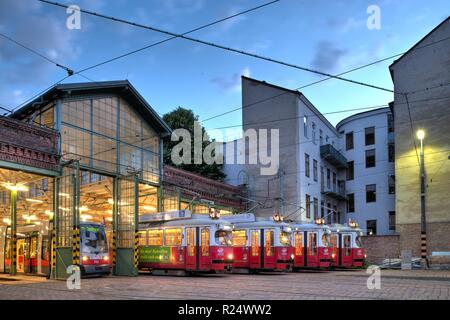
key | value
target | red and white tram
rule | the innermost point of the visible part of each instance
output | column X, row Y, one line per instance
column 347, row 250
column 186, row 244
column 261, row 244
column 311, row 243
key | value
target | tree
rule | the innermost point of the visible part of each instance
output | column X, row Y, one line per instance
column 185, row 119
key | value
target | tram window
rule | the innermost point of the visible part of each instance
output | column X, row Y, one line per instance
column 298, row 244
column 239, row 238
column 155, row 237
column 45, row 253
column 285, row 238
column 223, row 237
column 312, row 243
column 205, row 242
column 190, row 241
column 269, row 243
column 358, row 242
column 172, row 237
column 326, row 240
column 255, row 243
column 33, row 248
column 142, row 238
column 347, row 242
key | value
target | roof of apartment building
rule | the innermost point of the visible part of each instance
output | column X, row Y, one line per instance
column 121, row 87
column 301, row 96
column 363, row 114
column 416, row 46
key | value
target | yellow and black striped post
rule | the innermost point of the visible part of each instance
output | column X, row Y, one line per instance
column 14, row 253
column 53, row 251
column 114, row 248
column 423, row 245
column 76, row 246
column 136, row 249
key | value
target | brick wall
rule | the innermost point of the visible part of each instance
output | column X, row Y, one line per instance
column 379, row 248
column 438, row 239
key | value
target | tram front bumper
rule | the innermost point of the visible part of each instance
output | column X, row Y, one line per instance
column 95, row 269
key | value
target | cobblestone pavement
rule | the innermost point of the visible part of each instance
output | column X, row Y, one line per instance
column 395, row 284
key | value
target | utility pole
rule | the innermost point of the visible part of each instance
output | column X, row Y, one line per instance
column 423, row 225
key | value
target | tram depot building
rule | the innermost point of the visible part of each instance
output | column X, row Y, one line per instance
column 89, row 153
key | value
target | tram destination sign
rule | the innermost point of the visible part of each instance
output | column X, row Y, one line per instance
column 165, row 216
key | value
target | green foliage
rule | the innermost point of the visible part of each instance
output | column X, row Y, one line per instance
column 185, row 118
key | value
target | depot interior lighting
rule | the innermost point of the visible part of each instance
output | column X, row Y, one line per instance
column 86, row 217
column 149, row 208
column 34, row 200
column 15, row 187
column 7, row 221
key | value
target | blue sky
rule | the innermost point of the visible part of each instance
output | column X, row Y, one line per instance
column 327, row 35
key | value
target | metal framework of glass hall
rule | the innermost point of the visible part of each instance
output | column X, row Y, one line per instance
column 110, row 149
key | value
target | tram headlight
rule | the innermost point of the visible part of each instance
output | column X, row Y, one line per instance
column 85, row 258
column 105, row 258
column 365, row 255
column 292, row 256
column 230, row 256
column 333, row 255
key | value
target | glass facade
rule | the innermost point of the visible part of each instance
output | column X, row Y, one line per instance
column 106, row 134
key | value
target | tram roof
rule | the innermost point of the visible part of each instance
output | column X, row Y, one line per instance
column 310, row 226
column 261, row 224
column 121, row 87
column 196, row 220
column 343, row 227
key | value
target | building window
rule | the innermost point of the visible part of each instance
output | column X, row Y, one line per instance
column 305, row 126
column 328, row 213
column 315, row 174
column 370, row 158
column 307, row 165
column 351, row 202
column 316, row 208
column 391, row 152
column 391, row 182
column 327, row 139
column 350, row 170
column 335, row 215
column 321, row 136
column 392, row 220
column 349, row 141
column 328, row 178
column 370, row 136
column 321, row 177
column 390, row 118
column 371, row 193
column 371, row 226
column 322, row 209
column 314, row 133
column 334, row 181
column 308, row 206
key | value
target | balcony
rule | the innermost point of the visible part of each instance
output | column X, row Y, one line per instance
column 333, row 156
column 336, row 191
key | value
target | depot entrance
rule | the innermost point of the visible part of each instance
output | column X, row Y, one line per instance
column 26, row 213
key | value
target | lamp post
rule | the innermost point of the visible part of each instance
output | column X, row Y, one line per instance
column 423, row 224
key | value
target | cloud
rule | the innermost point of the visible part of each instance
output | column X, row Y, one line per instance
column 327, row 56
column 231, row 83
column 24, row 22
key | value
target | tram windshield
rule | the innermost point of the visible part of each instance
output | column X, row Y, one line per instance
column 223, row 237
column 93, row 239
column 285, row 238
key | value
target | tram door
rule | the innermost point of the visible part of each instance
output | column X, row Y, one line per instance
column 313, row 254
column 346, row 249
column 191, row 248
column 298, row 249
column 255, row 249
column 21, row 251
column 269, row 260
column 205, row 252
column 31, row 264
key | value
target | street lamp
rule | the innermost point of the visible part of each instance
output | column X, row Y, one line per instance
column 423, row 227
